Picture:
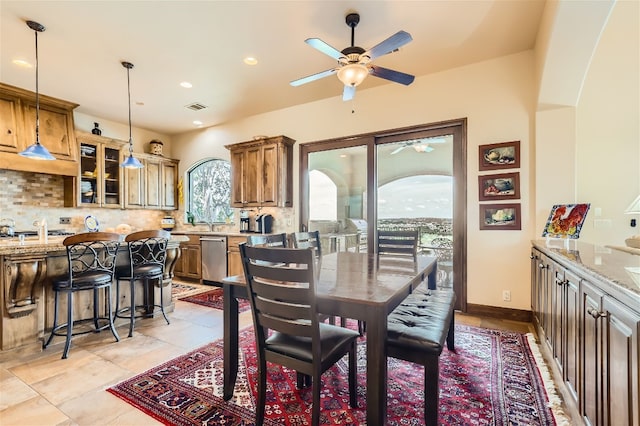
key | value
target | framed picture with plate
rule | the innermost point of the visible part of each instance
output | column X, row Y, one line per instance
column 497, row 156
column 500, row 217
column 503, row 186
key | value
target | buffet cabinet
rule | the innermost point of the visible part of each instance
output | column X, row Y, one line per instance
column 155, row 186
column 590, row 326
column 17, row 131
column 261, row 172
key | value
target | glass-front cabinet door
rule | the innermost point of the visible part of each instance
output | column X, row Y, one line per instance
column 100, row 173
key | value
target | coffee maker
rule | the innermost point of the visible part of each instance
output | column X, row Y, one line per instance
column 245, row 221
column 265, row 223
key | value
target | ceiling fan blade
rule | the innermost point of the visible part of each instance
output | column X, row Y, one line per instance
column 348, row 93
column 397, row 150
column 394, row 42
column 324, row 48
column 395, row 76
column 313, row 77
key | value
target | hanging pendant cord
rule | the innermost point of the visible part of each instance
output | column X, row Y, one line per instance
column 37, row 96
column 129, row 97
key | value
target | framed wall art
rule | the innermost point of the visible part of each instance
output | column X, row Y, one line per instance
column 497, row 156
column 504, row 186
column 499, row 217
column 565, row 221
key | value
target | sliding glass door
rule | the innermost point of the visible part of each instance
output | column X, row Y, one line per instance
column 412, row 178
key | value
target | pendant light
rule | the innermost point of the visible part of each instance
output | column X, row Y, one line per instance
column 130, row 162
column 37, row 151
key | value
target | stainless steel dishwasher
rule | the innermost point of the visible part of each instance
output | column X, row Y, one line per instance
column 214, row 258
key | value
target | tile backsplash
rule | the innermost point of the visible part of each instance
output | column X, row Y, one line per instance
column 27, row 197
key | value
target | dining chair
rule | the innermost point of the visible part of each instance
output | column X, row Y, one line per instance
column 91, row 259
column 309, row 239
column 281, row 284
column 398, row 243
column 271, row 240
column 147, row 254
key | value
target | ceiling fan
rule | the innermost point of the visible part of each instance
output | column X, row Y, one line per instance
column 419, row 145
column 355, row 62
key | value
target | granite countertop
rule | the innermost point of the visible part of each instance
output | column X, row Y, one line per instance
column 619, row 270
column 32, row 245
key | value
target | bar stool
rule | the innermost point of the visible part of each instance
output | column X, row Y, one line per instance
column 92, row 261
column 147, row 255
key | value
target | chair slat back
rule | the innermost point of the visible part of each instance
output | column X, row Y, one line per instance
column 281, row 287
column 273, row 240
column 92, row 252
column 398, row 242
column 309, row 239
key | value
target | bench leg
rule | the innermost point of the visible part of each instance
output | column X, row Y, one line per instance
column 431, row 390
column 451, row 333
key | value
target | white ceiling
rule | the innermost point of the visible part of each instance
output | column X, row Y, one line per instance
column 204, row 42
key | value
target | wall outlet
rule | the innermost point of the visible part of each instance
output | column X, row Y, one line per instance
column 506, row 295
column 65, row 221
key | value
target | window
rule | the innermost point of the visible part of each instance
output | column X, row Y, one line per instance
column 209, row 184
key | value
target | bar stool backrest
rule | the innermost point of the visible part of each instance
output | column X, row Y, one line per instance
column 309, row 239
column 92, row 253
column 147, row 248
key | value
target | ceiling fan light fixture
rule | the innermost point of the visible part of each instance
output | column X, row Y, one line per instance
column 37, row 151
column 353, row 74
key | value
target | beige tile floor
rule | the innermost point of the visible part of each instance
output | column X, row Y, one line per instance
column 43, row 389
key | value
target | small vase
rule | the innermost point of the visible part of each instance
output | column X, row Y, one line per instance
column 96, row 130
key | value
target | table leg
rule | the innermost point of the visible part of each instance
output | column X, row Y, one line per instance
column 376, row 367
column 433, row 277
column 230, row 304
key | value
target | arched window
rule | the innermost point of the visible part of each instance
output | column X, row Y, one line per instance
column 209, row 184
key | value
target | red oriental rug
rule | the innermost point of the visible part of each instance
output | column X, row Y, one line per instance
column 491, row 379
column 214, row 299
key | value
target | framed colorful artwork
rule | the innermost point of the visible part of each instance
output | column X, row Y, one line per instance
column 500, row 217
column 496, row 156
column 504, row 186
column 565, row 221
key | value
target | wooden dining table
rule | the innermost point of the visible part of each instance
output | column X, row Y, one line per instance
column 360, row 286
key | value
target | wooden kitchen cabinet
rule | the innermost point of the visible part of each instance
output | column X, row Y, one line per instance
column 99, row 183
column 234, row 261
column 155, row 186
column 261, row 172
column 592, row 332
column 189, row 264
column 17, row 132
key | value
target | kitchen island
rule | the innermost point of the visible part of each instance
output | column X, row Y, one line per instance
column 27, row 299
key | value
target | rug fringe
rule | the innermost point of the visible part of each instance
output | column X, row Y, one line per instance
column 555, row 401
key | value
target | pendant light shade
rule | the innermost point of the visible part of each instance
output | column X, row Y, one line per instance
column 37, row 151
column 130, row 162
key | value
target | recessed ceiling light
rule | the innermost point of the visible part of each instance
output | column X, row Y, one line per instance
column 186, row 85
column 250, row 60
column 197, row 122
column 22, row 63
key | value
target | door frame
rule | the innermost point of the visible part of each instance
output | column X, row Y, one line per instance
column 457, row 128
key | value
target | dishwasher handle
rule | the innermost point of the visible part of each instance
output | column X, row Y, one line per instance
column 217, row 240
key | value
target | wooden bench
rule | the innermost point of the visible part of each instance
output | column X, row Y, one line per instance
column 417, row 330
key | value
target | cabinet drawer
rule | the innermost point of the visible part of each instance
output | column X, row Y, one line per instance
column 232, row 243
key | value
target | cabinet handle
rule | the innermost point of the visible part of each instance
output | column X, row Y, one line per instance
column 595, row 313
column 543, row 266
column 561, row 282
